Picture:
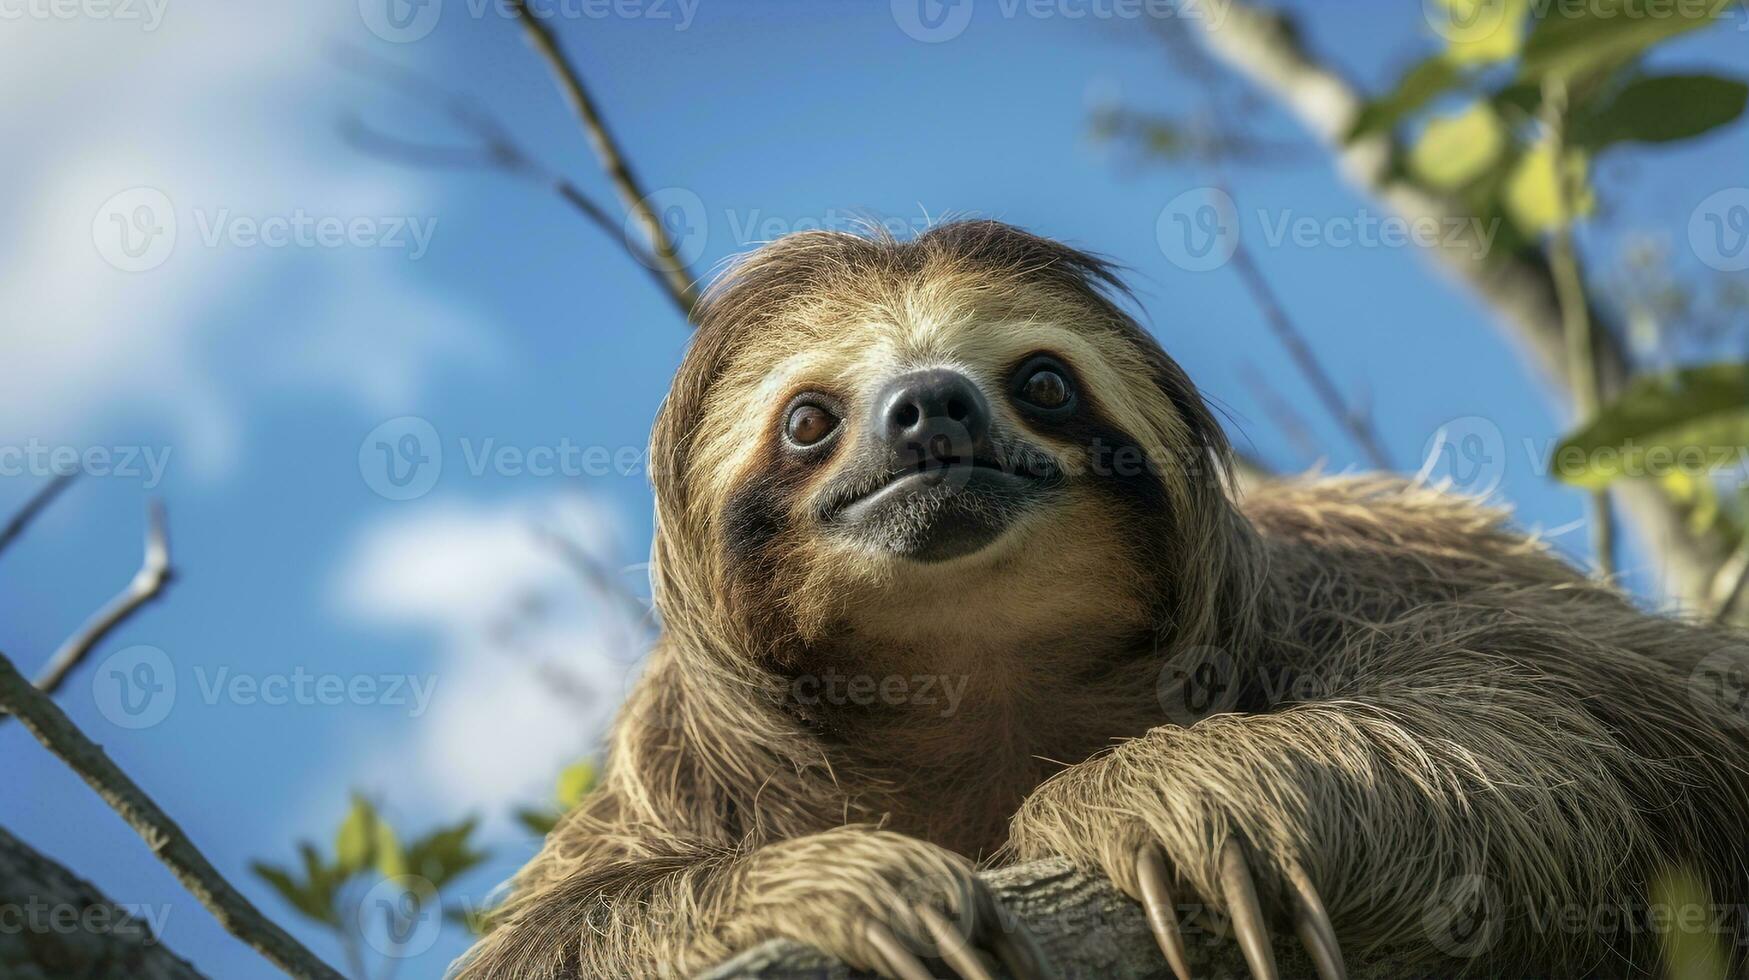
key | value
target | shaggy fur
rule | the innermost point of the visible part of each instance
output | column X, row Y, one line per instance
column 1417, row 698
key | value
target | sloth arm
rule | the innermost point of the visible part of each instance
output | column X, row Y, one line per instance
column 608, row 899
column 1563, row 764
column 678, row 861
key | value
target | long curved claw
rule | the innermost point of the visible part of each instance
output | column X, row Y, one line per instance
column 1312, row 923
column 901, row 962
column 1247, row 915
column 1015, row 947
column 1162, row 911
column 955, row 948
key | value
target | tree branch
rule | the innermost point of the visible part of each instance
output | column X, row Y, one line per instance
column 1576, row 324
column 496, row 150
column 148, row 584
column 613, row 162
column 32, row 507
column 1264, row 47
column 104, row 940
column 1731, row 584
column 1087, row 928
column 1358, row 424
column 59, row 735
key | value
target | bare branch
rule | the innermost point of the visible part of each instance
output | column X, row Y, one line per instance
column 1730, row 585
column 1357, row 424
column 1355, row 421
column 59, row 735
column 148, row 583
column 32, row 507
column 598, row 579
column 1286, row 417
column 1575, row 309
column 613, row 162
column 495, row 150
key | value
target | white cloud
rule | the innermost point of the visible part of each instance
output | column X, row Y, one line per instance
column 531, row 663
column 227, row 110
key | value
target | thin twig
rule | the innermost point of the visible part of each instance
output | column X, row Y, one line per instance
column 148, row 584
column 613, row 162
column 1576, row 312
column 597, row 578
column 495, row 150
column 32, row 507
column 1731, row 583
column 1286, row 417
column 1357, row 424
column 59, row 735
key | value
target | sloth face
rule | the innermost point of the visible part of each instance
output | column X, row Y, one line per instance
column 936, row 464
column 873, row 437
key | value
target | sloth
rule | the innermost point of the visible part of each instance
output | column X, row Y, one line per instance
column 1310, row 709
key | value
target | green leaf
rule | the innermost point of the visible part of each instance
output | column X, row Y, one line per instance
column 1693, row 417
column 541, row 822
column 1573, row 38
column 1484, row 31
column 390, row 860
column 575, row 783
column 354, row 843
column 1419, row 86
column 310, row 899
column 1456, row 150
column 1662, row 109
column 477, row 921
column 445, row 853
column 1535, row 195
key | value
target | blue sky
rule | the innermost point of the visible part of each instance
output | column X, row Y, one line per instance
column 259, row 373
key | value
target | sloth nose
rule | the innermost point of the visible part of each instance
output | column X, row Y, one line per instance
column 932, row 415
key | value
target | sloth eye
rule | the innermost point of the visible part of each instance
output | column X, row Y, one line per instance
column 1043, row 384
column 808, row 423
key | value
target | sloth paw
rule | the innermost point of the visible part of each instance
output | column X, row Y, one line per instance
column 1239, row 895
column 970, row 953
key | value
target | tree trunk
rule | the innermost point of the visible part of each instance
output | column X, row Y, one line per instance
column 57, row 926
column 1264, row 47
column 1089, row 931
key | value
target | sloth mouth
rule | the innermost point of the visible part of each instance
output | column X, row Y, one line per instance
column 940, row 508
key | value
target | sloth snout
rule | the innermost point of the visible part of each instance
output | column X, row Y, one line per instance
column 932, row 416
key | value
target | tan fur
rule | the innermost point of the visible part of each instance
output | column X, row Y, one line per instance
column 1423, row 693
